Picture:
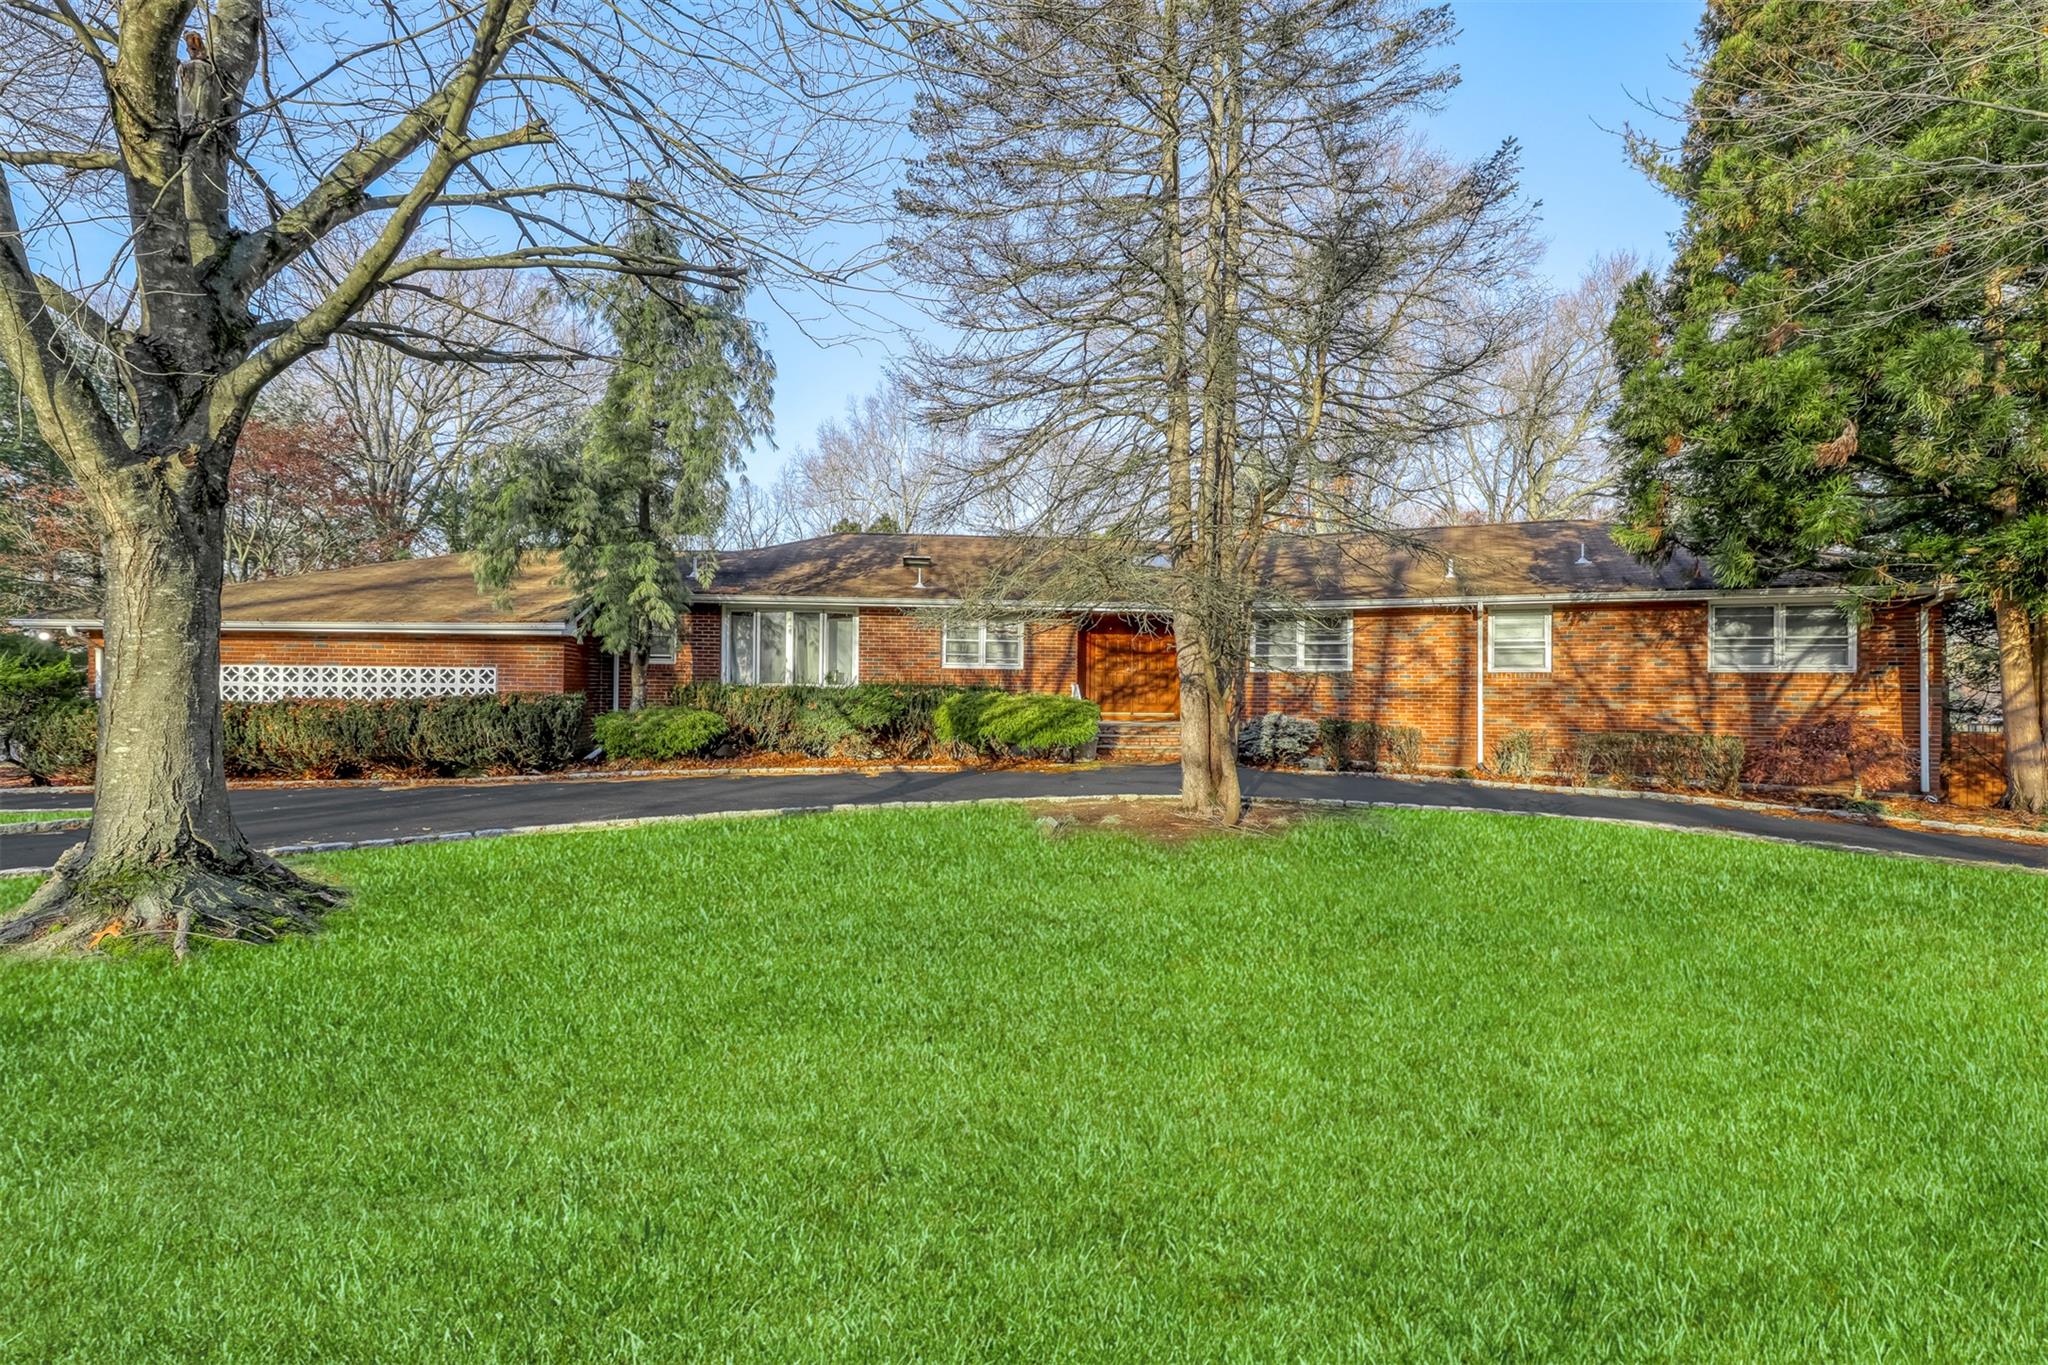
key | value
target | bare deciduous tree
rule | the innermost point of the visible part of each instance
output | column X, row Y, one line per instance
column 1538, row 445
column 225, row 145
column 1202, row 278
column 418, row 421
column 880, row 468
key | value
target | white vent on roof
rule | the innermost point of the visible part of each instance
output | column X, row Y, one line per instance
column 1582, row 560
column 1450, row 568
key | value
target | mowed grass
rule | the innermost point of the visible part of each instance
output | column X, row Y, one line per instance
column 932, row 1085
column 31, row 817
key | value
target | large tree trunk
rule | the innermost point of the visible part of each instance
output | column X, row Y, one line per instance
column 636, row 693
column 1208, row 728
column 2023, row 679
column 163, row 857
column 1197, row 790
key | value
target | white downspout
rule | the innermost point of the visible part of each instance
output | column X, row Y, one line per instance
column 1926, row 705
column 1479, row 689
column 615, row 682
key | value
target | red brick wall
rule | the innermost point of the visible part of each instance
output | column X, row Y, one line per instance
column 1613, row 667
column 900, row 646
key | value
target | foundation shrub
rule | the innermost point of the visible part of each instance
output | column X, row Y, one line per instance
column 1276, row 738
column 867, row 720
column 1833, row 753
column 439, row 735
column 1369, row 746
column 47, row 724
column 1514, row 755
column 1666, row 759
column 1016, row 724
column 659, row 732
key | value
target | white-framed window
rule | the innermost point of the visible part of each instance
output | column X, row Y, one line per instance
column 662, row 649
column 1780, row 637
column 1518, row 640
column 1301, row 644
column 819, row 648
column 982, row 644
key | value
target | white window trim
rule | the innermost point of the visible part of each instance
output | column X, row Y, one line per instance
column 1778, row 638
column 957, row 630
column 656, row 655
column 1493, row 616
column 789, row 615
column 1344, row 624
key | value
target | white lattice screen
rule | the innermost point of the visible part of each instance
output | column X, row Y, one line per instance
column 276, row 682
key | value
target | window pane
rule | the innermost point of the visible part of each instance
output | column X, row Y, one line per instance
column 1519, row 640
column 740, row 632
column 808, row 645
column 1004, row 645
column 1276, row 643
column 1745, row 637
column 839, row 637
column 772, row 656
column 1518, row 627
column 1816, row 638
column 1324, row 645
column 963, row 645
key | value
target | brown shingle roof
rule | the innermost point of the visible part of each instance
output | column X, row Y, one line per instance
column 439, row 588
column 1513, row 559
column 1521, row 559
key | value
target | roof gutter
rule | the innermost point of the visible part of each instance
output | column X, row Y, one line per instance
column 557, row 628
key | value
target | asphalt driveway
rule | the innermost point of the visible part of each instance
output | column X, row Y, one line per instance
column 284, row 816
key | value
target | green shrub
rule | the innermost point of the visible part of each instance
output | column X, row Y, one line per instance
column 867, row 720
column 1021, row 724
column 1040, row 723
column 660, row 732
column 57, row 741
column 1670, row 759
column 44, row 713
column 1370, row 745
column 1514, row 755
column 1276, row 738
column 443, row 735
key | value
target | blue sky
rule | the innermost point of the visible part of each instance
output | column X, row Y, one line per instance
column 1561, row 76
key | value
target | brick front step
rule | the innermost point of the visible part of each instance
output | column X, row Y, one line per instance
column 1139, row 741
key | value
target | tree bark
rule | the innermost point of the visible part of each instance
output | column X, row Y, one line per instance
column 163, row 851
column 2022, row 651
column 1227, row 795
column 1197, row 786
column 637, row 692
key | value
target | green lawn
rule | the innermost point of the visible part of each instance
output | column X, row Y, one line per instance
column 30, row 817
column 931, row 1085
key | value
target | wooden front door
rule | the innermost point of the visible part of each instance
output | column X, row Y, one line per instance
column 1129, row 670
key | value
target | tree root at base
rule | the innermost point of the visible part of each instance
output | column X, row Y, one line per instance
column 87, row 904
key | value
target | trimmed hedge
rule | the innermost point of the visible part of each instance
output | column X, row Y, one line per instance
column 1016, row 724
column 47, row 725
column 1665, row 758
column 870, row 720
column 1370, row 746
column 659, row 732
column 527, row 733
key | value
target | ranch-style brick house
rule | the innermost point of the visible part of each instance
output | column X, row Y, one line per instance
column 1464, row 632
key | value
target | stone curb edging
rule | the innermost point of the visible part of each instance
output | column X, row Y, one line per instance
column 45, row 826
column 1329, row 802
